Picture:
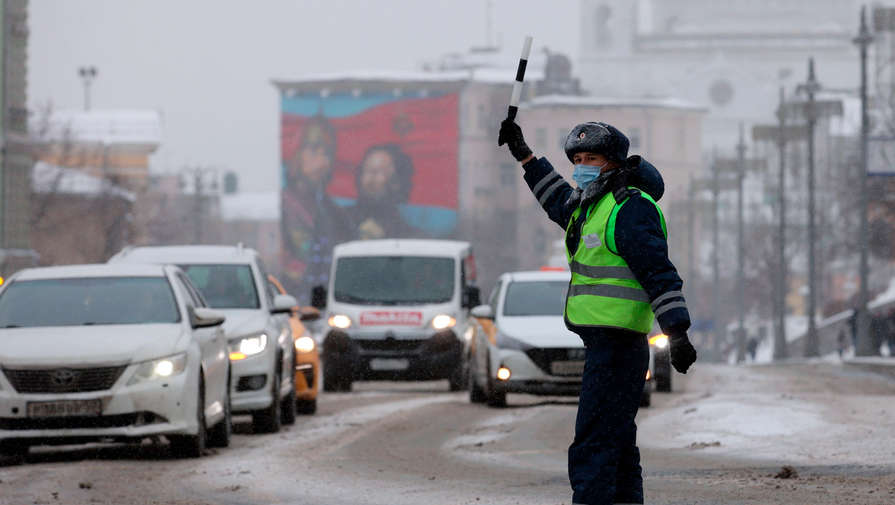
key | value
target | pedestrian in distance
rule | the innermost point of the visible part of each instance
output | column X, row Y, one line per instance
column 841, row 339
column 622, row 279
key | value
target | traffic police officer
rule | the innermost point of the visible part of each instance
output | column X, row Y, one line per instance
column 621, row 278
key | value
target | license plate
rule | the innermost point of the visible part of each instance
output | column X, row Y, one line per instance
column 567, row 367
column 384, row 364
column 65, row 408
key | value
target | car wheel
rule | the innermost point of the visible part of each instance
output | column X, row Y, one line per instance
column 646, row 399
column 332, row 378
column 345, row 384
column 192, row 446
column 663, row 383
column 306, row 407
column 663, row 373
column 496, row 397
column 13, row 449
column 220, row 434
column 457, row 380
column 476, row 393
column 269, row 420
column 288, row 406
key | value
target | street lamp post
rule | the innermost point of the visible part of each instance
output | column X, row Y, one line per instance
column 716, row 267
column 88, row 74
column 782, row 133
column 810, row 88
column 741, row 277
column 863, row 345
column 780, row 350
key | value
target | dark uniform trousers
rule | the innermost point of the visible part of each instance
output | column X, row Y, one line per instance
column 604, row 462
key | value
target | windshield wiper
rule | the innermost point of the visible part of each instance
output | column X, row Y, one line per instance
column 12, row 326
column 345, row 297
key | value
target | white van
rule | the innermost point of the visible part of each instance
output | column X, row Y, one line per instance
column 397, row 310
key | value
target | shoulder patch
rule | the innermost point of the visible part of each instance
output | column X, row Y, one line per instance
column 593, row 240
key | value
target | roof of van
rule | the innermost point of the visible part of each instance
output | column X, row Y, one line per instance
column 85, row 271
column 186, row 254
column 537, row 275
column 387, row 247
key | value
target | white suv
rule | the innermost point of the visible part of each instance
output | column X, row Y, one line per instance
column 233, row 280
column 119, row 352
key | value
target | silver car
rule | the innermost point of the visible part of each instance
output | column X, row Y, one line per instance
column 110, row 352
column 232, row 279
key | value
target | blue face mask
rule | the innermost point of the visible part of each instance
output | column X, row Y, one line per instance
column 586, row 174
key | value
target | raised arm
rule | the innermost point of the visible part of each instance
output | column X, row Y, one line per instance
column 547, row 186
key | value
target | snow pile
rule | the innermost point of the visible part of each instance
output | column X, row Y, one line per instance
column 52, row 179
column 810, row 413
column 118, row 126
column 887, row 296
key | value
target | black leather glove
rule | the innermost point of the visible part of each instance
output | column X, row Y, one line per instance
column 511, row 135
column 682, row 352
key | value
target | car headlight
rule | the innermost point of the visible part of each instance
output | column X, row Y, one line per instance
column 505, row 342
column 247, row 346
column 304, row 344
column 162, row 368
column 340, row 321
column 443, row 322
column 660, row 341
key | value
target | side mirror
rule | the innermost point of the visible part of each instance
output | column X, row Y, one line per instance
column 472, row 297
column 308, row 314
column 283, row 304
column 318, row 297
column 202, row 317
column 483, row 312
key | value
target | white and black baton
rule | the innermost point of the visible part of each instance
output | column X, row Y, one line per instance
column 520, row 76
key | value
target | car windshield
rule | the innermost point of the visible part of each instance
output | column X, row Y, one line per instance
column 225, row 286
column 394, row 280
column 88, row 301
column 535, row 298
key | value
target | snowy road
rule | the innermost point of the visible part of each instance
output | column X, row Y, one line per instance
column 721, row 440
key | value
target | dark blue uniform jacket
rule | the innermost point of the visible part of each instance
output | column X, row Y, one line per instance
column 638, row 232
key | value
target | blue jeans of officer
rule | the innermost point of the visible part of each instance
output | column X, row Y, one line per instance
column 604, row 462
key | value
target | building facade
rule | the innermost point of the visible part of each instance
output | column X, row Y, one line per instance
column 731, row 57
column 463, row 185
column 15, row 158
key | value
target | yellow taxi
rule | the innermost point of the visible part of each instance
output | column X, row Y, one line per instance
column 307, row 358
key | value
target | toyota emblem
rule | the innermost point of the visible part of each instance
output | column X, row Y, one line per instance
column 63, row 377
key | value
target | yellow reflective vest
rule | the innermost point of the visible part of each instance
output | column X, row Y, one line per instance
column 603, row 292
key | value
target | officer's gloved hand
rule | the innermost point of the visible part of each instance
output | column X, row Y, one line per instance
column 511, row 135
column 682, row 352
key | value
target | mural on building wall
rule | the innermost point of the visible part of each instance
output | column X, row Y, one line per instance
column 363, row 166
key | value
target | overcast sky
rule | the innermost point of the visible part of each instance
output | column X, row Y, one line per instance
column 207, row 64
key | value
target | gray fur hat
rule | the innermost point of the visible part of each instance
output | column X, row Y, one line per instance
column 599, row 138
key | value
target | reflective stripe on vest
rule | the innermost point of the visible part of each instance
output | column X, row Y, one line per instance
column 603, row 292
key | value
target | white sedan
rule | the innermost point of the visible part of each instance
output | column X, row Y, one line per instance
column 111, row 352
column 521, row 344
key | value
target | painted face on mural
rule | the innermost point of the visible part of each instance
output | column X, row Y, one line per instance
column 315, row 162
column 314, row 159
column 377, row 176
